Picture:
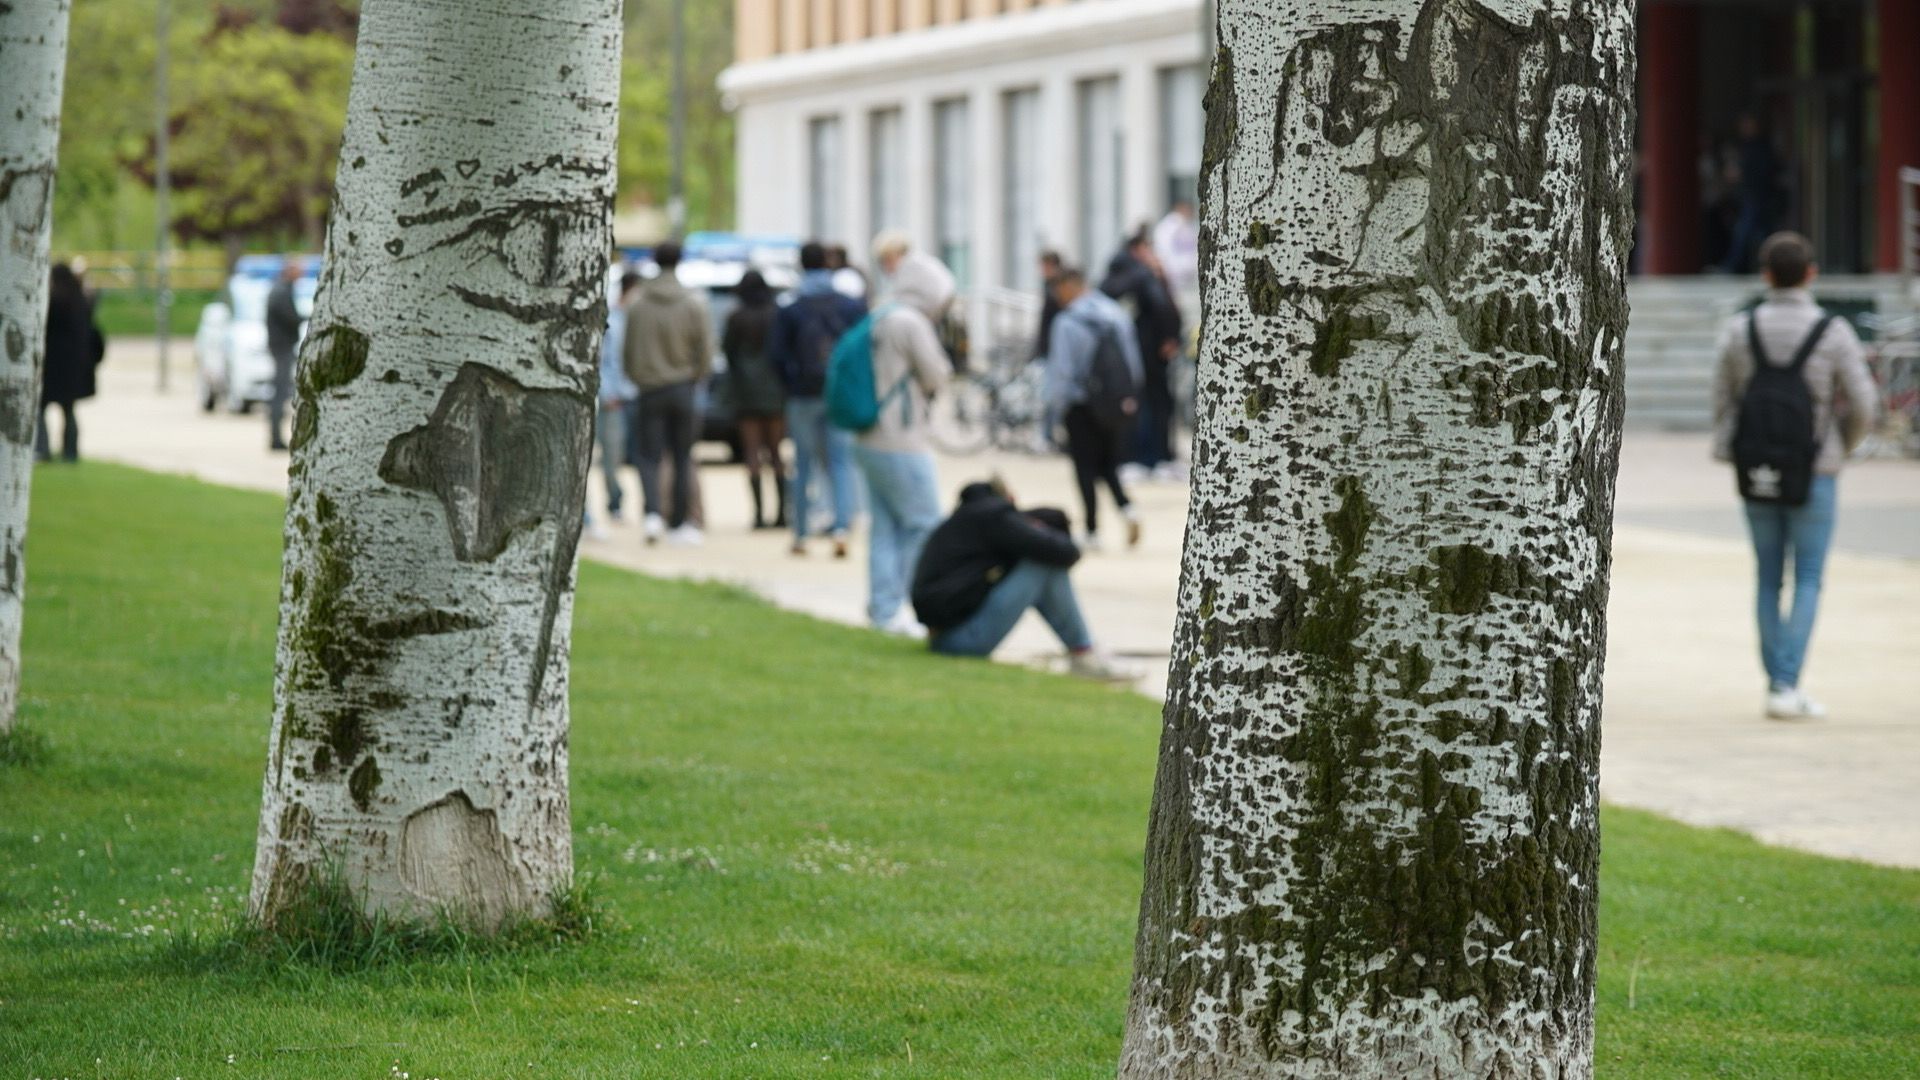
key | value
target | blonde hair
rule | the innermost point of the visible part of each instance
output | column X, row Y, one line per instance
column 891, row 243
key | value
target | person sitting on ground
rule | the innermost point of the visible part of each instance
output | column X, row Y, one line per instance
column 987, row 565
column 1788, row 481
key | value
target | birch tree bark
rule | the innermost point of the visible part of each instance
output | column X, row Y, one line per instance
column 442, row 425
column 1374, row 836
column 33, row 61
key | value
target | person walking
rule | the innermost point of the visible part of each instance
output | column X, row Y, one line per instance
column 283, row 341
column 804, row 334
column 75, row 346
column 1050, row 264
column 759, row 401
column 1093, row 375
column 617, row 395
column 989, row 564
column 668, row 350
column 1784, row 369
column 1134, row 279
column 895, row 455
column 1757, row 184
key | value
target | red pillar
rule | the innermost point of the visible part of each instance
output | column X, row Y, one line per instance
column 1670, row 138
column 1899, row 64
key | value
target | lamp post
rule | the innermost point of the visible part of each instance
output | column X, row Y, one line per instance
column 162, row 296
column 677, row 185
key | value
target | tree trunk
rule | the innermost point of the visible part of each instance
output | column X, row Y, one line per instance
column 33, row 61
column 443, row 419
column 1374, row 834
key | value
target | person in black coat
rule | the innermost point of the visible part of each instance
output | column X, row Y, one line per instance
column 283, row 343
column 1134, row 279
column 75, row 347
column 987, row 565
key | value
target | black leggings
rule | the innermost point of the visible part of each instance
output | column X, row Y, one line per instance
column 69, row 435
column 1095, row 450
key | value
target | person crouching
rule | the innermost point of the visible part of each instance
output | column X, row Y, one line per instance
column 987, row 564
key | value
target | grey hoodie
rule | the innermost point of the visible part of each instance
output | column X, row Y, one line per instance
column 669, row 337
column 906, row 347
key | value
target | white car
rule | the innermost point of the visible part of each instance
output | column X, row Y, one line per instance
column 230, row 346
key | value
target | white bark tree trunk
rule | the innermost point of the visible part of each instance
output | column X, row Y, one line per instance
column 33, row 62
column 441, row 433
column 1374, row 835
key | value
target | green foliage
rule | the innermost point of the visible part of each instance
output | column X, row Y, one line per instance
column 129, row 312
column 260, row 113
column 830, row 854
column 646, row 109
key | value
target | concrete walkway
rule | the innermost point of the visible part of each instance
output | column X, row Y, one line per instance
column 1683, row 733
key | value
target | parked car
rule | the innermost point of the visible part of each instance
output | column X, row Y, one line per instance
column 230, row 345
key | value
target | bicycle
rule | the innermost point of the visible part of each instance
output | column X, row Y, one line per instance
column 1894, row 359
column 1003, row 406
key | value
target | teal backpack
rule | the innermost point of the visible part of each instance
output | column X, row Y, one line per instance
column 853, row 400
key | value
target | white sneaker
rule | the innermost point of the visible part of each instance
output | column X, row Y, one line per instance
column 1100, row 667
column 1794, row 704
column 1089, row 541
column 1170, row 472
column 688, row 535
column 653, row 528
column 1133, row 473
column 903, row 624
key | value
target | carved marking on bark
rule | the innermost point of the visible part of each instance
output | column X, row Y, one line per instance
column 502, row 459
column 452, row 854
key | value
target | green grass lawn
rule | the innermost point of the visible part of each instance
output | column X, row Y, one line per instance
column 824, row 852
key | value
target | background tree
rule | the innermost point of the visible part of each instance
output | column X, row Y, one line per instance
column 442, row 426
column 646, row 99
column 1374, row 837
column 33, row 58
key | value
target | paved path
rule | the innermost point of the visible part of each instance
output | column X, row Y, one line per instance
column 1683, row 734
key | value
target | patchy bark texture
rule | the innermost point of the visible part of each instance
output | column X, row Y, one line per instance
column 33, row 61
column 442, row 427
column 1374, row 836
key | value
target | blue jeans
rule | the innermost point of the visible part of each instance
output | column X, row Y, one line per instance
column 903, row 494
column 1045, row 589
column 816, row 442
column 610, row 431
column 1805, row 532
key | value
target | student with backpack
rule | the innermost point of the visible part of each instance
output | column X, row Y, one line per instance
column 1093, row 391
column 880, row 380
column 804, row 335
column 1784, row 367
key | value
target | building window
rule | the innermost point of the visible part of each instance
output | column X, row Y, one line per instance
column 887, row 179
column 824, row 183
column 1102, row 152
column 1021, row 198
column 952, row 216
column 1182, row 119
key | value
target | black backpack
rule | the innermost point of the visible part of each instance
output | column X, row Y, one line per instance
column 1774, row 442
column 1113, row 395
column 822, row 322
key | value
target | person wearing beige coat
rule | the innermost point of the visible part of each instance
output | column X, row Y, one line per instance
column 895, row 456
column 1844, row 403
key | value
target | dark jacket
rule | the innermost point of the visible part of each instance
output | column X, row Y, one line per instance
column 971, row 551
column 74, row 346
column 1156, row 318
column 283, row 322
column 805, row 331
column 750, row 375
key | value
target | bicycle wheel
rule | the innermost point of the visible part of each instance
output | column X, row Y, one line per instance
column 960, row 419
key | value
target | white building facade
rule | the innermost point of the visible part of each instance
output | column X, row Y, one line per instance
column 987, row 130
